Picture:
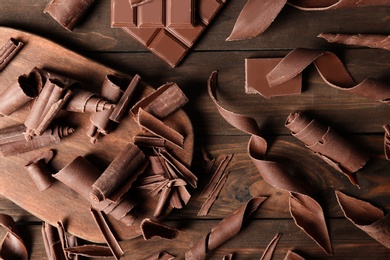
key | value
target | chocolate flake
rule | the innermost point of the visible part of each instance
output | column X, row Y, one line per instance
column 366, row 40
column 229, row 227
column 8, row 51
column 307, row 213
column 151, row 228
column 12, row 246
column 387, row 141
column 38, row 170
column 269, row 251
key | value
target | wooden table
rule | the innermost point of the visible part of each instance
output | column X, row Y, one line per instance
column 358, row 119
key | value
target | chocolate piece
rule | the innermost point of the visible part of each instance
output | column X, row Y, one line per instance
column 12, row 246
column 151, row 14
column 366, row 40
column 170, row 194
column 68, row 13
column 180, row 13
column 122, row 14
column 38, row 170
column 17, row 144
column 367, row 217
column 149, row 141
column 293, row 256
column 151, row 228
column 20, row 92
column 66, row 241
column 387, row 141
column 89, row 251
column 229, row 227
column 112, row 242
column 328, row 145
column 161, row 256
column 51, row 241
column 313, row 5
column 307, row 213
column 84, row 101
column 332, row 71
column 256, row 71
column 8, row 51
column 269, row 251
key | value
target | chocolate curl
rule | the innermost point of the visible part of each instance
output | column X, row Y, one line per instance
column 157, row 127
column 332, row 71
column 161, row 103
column 89, row 251
column 293, row 256
column 12, row 246
column 83, row 101
column 269, row 251
column 228, row 257
column 149, row 141
column 124, row 166
column 20, row 92
column 365, row 40
column 38, row 170
column 367, row 217
column 150, row 229
column 314, row 5
column 68, row 12
column 168, row 194
column 228, row 228
column 328, row 145
column 387, row 141
column 213, row 195
column 16, row 144
column 111, row 241
column 52, row 243
column 307, row 213
column 8, row 51
column 161, row 256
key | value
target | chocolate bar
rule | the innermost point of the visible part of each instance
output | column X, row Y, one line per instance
column 8, row 51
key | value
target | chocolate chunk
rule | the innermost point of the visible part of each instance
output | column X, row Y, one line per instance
column 365, row 40
column 38, row 170
column 151, row 228
column 12, row 246
column 8, row 51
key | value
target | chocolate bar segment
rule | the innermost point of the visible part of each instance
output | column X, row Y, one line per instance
column 180, row 13
column 122, row 14
column 151, row 14
column 8, row 51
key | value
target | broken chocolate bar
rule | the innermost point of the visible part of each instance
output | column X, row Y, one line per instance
column 8, row 51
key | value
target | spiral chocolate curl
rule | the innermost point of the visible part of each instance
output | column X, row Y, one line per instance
column 8, row 51
column 307, row 213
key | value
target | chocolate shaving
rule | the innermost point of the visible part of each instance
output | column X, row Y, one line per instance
column 111, row 241
column 367, row 217
column 332, row 71
column 151, row 228
column 328, row 145
column 85, row 101
column 52, row 243
column 314, row 5
column 20, row 92
column 12, row 246
column 169, row 194
column 293, row 256
column 38, row 170
column 228, row 257
column 68, row 13
column 8, row 51
column 229, row 227
column 366, row 40
column 211, row 198
column 89, row 250
column 149, row 141
column 307, row 213
column 387, row 141
column 161, row 256
column 157, row 127
column 269, row 251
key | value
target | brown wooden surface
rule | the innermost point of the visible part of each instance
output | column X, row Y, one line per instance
column 358, row 119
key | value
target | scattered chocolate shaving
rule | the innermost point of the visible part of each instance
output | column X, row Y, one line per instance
column 8, row 51
column 168, row 194
column 89, row 250
column 269, row 251
column 68, row 13
column 161, row 256
column 157, row 127
column 366, row 40
column 212, row 197
column 328, row 145
column 52, row 243
column 367, row 217
column 228, row 257
column 151, row 228
column 66, row 241
column 16, row 144
column 332, row 71
column 162, row 102
column 20, row 92
column 387, row 141
column 111, row 241
column 307, row 213
column 12, row 246
column 38, row 170
column 229, row 227
column 149, row 141
column 85, row 101
column 293, row 256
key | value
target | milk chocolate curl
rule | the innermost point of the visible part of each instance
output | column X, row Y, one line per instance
column 328, row 145
column 269, row 251
column 151, row 228
column 314, row 5
column 332, row 71
column 20, row 92
column 367, row 217
column 229, row 227
column 307, row 213
column 38, row 170
column 121, row 168
column 68, row 12
column 387, row 141
column 161, row 103
column 82, row 101
column 161, row 256
column 12, row 246
column 293, row 256
column 17, row 144
column 8, row 51
column 365, row 40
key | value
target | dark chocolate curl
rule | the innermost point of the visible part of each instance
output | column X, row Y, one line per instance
column 269, row 251
column 8, row 51
column 52, row 243
column 89, row 250
column 365, row 40
column 367, row 217
column 151, row 228
column 38, row 170
column 387, row 141
column 20, row 92
column 12, row 246
column 293, row 256
column 328, row 145
column 68, row 12
column 228, row 228
column 84, row 101
column 315, row 5
column 274, row 174
column 332, row 71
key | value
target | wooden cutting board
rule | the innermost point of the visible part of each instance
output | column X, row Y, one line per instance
column 59, row 202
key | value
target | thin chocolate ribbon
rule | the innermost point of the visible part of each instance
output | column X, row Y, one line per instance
column 12, row 246
column 366, row 40
column 386, row 141
column 307, row 213
column 269, row 251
